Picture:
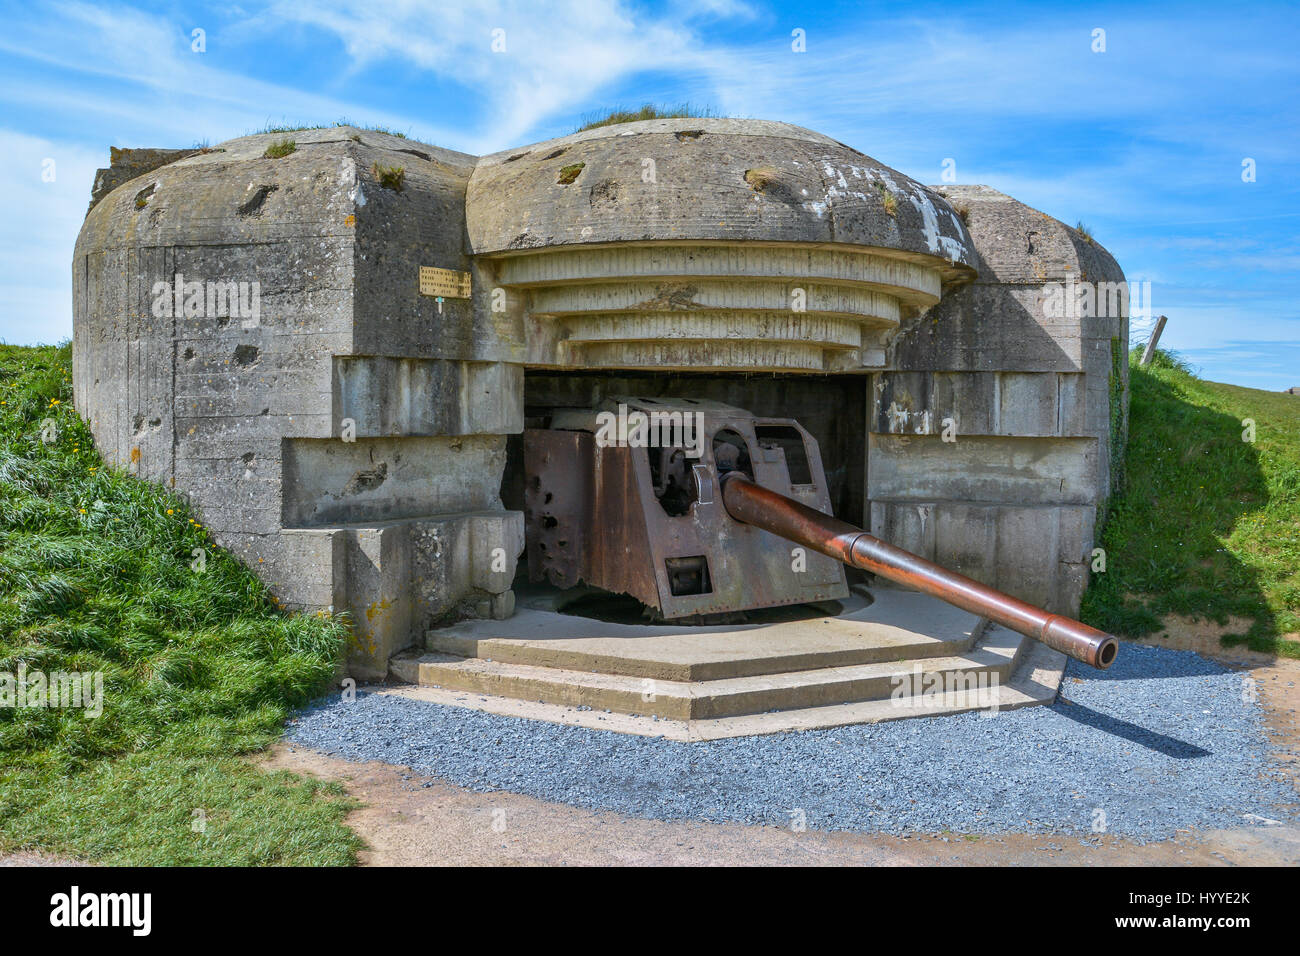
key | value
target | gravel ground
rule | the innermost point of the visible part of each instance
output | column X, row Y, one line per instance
column 1161, row 741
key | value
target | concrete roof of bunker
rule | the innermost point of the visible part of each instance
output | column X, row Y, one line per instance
column 715, row 180
column 1020, row 244
column 667, row 180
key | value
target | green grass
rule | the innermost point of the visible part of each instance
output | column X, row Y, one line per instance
column 390, row 177
column 280, row 149
column 272, row 128
column 887, row 199
column 1208, row 525
column 200, row 668
column 569, row 173
column 647, row 112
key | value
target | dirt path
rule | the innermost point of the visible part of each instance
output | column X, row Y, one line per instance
column 36, row 859
column 410, row 820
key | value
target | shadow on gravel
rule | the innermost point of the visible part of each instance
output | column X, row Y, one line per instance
column 1160, row 743
column 1150, row 662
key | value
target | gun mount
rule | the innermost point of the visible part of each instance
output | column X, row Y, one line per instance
column 699, row 508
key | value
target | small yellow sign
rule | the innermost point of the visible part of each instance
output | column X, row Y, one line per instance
column 444, row 283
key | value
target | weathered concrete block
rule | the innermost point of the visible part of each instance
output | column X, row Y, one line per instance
column 991, row 469
column 379, row 593
column 397, row 579
column 382, row 395
column 311, row 567
column 333, row 482
column 126, row 164
column 400, row 578
column 1039, row 554
column 1019, row 404
column 465, row 564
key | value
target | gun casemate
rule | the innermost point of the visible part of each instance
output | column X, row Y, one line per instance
column 692, row 507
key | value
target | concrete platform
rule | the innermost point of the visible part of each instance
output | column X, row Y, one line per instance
column 898, row 625
column 900, row 655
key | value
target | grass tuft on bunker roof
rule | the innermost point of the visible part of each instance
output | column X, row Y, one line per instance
column 390, row 177
column 649, row 111
column 280, row 149
column 364, row 127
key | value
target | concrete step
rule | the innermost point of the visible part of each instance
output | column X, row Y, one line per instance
column 895, row 626
column 1034, row 682
column 892, row 682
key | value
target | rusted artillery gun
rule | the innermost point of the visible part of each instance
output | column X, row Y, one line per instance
column 758, row 506
column 684, row 520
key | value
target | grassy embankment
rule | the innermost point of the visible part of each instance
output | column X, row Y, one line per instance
column 99, row 573
column 1208, row 524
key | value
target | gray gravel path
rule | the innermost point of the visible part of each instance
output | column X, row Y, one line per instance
column 1163, row 740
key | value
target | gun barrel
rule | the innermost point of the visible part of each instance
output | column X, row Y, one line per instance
column 771, row 511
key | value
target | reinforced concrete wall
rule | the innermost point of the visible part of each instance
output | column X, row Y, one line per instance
column 347, row 440
column 1033, row 395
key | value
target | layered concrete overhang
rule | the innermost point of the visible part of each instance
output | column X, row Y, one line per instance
column 710, row 244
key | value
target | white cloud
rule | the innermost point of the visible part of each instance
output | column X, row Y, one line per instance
column 173, row 96
column 556, row 56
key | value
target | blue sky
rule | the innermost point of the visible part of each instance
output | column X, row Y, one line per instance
column 1143, row 142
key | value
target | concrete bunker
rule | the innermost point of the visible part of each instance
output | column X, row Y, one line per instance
column 360, row 439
